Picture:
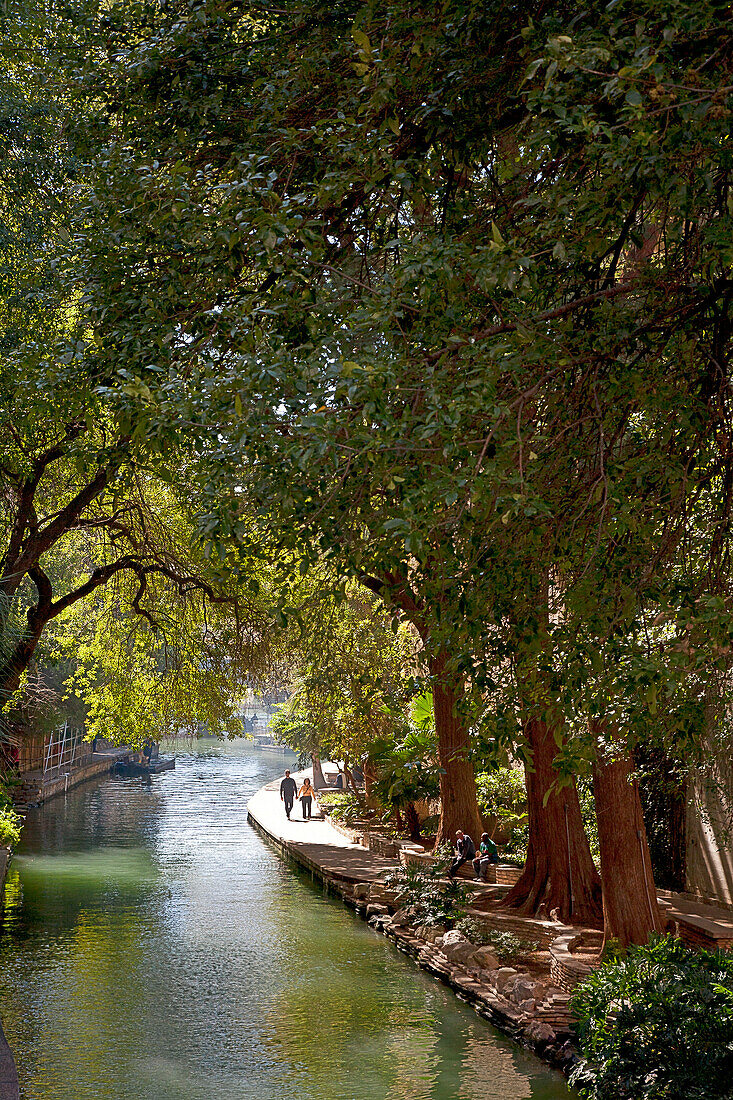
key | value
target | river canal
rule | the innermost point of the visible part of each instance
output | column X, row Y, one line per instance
column 155, row 948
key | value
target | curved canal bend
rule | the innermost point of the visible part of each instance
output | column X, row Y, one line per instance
column 155, row 948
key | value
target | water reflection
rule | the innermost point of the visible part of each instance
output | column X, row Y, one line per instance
column 154, row 947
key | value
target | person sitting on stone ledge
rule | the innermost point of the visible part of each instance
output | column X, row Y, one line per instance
column 487, row 853
column 465, row 850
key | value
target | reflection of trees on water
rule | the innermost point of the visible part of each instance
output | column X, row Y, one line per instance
column 85, row 850
column 363, row 1026
column 94, row 816
column 159, row 950
column 67, row 930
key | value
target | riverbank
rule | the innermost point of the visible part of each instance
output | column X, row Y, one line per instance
column 37, row 787
column 156, row 947
column 530, row 1011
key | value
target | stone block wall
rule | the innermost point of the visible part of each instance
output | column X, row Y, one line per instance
column 507, row 874
column 565, row 969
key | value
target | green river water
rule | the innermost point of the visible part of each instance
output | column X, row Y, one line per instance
column 154, row 947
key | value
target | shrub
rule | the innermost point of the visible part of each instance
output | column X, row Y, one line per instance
column 508, row 946
column 657, row 1025
column 10, row 827
column 343, row 806
column 423, row 891
column 477, row 931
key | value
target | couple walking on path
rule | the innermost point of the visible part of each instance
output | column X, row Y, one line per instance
column 288, row 790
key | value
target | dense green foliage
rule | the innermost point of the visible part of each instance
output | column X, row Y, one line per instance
column 105, row 592
column 657, row 1024
column 432, row 301
column 509, row 947
column 11, row 823
column 453, row 341
column 424, row 891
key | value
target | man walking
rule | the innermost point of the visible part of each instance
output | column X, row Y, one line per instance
column 288, row 790
column 465, row 850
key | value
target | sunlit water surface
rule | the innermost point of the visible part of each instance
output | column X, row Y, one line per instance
column 154, row 947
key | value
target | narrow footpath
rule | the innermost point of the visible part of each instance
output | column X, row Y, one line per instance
column 315, row 844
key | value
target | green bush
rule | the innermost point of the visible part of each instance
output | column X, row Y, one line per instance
column 502, row 794
column 423, row 890
column 477, row 931
column 657, row 1025
column 343, row 806
column 10, row 827
column 508, row 946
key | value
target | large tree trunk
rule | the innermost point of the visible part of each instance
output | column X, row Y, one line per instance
column 630, row 909
column 458, row 805
column 559, row 872
column 319, row 783
column 413, row 822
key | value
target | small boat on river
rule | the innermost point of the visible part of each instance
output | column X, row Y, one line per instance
column 145, row 767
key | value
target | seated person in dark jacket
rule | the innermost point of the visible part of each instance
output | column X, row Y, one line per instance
column 465, row 850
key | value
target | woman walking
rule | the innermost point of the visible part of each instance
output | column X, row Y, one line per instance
column 305, row 794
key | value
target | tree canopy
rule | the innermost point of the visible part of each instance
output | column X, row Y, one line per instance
column 438, row 299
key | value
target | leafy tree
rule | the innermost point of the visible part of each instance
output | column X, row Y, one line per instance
column 350, row 677
column 88, row 501
column 453, row 310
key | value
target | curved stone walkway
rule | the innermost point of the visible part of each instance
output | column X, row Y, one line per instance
column 314, row 844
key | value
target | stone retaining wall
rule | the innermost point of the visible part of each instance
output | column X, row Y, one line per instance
column 545, row 932
column 507, row 874
column 98, row 764
column 541, row 1022
column 382, row 844
column 566, row 970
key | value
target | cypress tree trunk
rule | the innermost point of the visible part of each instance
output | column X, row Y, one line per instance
column 413, row 822
column 559, row 871
column 630, row 909
column 319, row 783
column 458, row 805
